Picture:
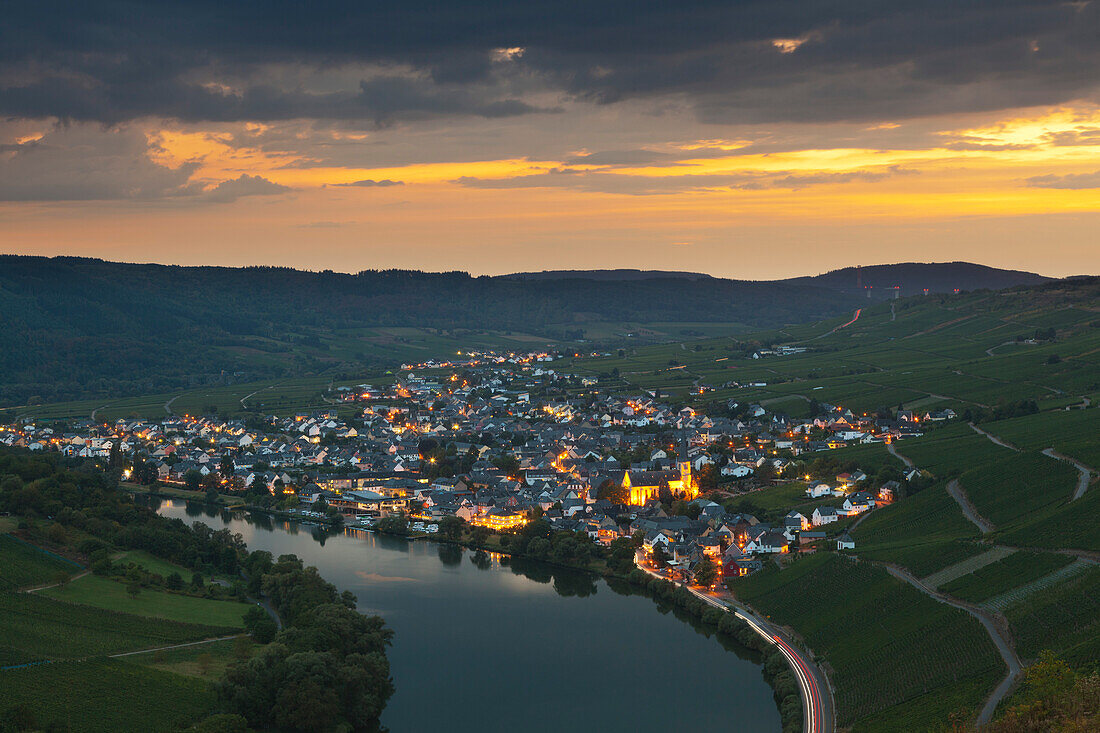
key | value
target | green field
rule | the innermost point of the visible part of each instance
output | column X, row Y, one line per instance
column 112, row 595
column 208, row 661
column 1004, row 575
column 106, row 696
column 33, row 628
column 891, row 648
column 23, row 565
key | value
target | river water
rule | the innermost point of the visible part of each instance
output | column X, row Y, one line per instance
column 519, row 646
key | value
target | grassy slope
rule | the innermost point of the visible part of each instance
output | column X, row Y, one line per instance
column 112, row 595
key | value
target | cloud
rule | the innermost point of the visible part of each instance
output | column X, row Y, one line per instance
column 650, row 185
column 369, row 183
column 246, row 185
column 752, row 61
column 323, row 225
column 640, row 156
column 1068, row 181
column 82, row 163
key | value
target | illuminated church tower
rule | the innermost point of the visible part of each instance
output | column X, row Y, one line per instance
column 687, row 482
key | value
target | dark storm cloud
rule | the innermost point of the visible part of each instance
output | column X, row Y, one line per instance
column 847, row 59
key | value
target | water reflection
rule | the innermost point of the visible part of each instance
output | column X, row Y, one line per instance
column 450, row 555
column 494, row 613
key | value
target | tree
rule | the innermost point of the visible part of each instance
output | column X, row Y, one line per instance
column 192, row 479
column 705, row 572
column 133, row 588
column 225, row 466
column 479, row 535
column 660, row 554
column 212, row 496
column 613, row 492
column 451, row 527
column 174, row 581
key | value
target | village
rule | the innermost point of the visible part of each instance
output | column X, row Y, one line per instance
column 497, row 440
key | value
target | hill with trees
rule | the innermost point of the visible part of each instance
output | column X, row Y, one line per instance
column 76, row 327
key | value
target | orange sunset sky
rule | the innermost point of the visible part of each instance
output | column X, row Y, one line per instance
column 790, row 145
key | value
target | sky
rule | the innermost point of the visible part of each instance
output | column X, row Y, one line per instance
column 752, row 139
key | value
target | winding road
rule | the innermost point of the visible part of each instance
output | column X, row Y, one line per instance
column 1086, row 473
column 992, row 624
column 843, row 325
column 993, row 438
column 968, row 509
column 818, row 708
column 894, row 452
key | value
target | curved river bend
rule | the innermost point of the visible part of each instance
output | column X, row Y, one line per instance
column 520, row 647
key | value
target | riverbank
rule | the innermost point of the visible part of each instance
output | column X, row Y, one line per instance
column 518, row 622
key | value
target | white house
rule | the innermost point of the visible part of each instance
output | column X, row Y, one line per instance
column 736, row 470
column 818, row 489
column 824, row 515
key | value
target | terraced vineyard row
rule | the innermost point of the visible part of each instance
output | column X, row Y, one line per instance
column 967, row 566
column 1021, row 593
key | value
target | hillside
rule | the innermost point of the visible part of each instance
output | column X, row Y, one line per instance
column 84, row 328
column 998, row 533
column 912, row 278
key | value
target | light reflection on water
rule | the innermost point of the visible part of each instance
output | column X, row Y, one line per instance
column 485, row 645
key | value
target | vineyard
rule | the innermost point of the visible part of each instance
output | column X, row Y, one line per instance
column 951, row 450
column 34, row 628
column 888, row 644
column 1072, row 433
column 925, row 533
column 23, row 565
column 106, row 696
column 1064, row 618
column 1021, row 593
column 942, row 578
column 1017, row 487
column 1071, row 525
column 1014, row 571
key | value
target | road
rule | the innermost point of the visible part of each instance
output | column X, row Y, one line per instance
column 253, row 394
column 894, row 452
column 968, row 509
column 995, row 440
column 992, row 626
column 175, row 646
column 168, row 405
column 1086, row 472
column 843, row 325
column 818, row 708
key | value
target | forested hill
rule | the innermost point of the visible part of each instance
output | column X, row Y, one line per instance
column 912, row 278
column 76, row 327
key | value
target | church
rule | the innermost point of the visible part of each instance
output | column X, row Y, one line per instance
column 645, row 486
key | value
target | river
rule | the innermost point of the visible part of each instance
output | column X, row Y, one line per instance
column 519, row 646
